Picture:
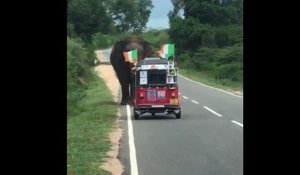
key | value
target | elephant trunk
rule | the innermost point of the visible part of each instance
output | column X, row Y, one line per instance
column 133, row 68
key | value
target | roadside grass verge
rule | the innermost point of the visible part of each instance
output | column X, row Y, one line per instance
column 205, row 78
column 88, row 128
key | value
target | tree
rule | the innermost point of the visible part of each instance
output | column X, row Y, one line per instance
column 131, row 15
column 178, row 5
column 215, row 13
column 204, row 23
column 144, row 11
column 189, row 34
column 88, row 17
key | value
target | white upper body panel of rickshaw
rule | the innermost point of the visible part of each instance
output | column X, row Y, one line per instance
column 153, row 63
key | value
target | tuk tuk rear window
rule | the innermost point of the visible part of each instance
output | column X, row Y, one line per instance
column 157, row 77
column 154, row 77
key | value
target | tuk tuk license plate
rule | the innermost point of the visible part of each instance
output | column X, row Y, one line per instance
column 174, row 101
column 158, row 106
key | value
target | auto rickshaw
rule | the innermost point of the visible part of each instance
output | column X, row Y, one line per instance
column 156, row 88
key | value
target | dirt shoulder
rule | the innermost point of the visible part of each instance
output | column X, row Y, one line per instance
column 107, row 73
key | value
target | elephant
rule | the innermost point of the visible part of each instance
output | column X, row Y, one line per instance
column 125, row 71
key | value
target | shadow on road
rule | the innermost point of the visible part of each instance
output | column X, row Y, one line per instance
column 156, row 117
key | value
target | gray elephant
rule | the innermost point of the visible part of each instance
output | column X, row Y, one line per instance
column 125, row 70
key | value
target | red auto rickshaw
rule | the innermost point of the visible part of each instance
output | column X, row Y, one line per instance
column 156, row 88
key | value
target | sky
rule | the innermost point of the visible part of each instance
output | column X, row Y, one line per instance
column 159, row 16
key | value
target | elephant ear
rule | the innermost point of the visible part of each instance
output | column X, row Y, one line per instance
column 118, row 48
column 117, row 53
column 147, row 49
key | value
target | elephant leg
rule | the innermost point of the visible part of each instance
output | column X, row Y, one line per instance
column 125, row 89
column 132, row 90
column 124, row 82
column 125, row 94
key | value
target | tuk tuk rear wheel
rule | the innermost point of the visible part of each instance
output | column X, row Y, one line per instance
column 135, row 114
column 178, row 115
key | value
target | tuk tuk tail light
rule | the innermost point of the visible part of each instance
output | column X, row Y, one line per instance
column 141, row 95
column 173, row 94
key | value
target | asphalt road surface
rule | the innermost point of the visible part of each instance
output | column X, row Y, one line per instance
column 207, row 140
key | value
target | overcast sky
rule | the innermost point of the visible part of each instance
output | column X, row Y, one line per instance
column 159, row 15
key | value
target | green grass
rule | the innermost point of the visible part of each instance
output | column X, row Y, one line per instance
column 205, row 78
column 87, row 130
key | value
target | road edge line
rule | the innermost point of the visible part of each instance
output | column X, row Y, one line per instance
column 211, row 86
column 132, row 151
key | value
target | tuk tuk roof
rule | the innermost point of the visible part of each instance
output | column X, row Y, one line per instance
column 154, row 60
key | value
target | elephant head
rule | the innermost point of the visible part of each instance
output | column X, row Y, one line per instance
column 143, row 47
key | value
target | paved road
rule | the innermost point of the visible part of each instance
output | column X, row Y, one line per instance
column 106, row 53
column 207, row 140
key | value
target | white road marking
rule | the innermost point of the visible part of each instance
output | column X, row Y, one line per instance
column 210, row 86
column 212, row 111
column 195, row 101
column 132, row 152
column 185, row 97
column 238, row 123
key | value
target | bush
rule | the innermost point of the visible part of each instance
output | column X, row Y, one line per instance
column 229, row 55
column 228, row 35
column 204, row 58
column 185, row 61
column 78, row 73
column 100, row 41
column 225, row 64
column 232, row 72
column 70, row 30
column 156, row 38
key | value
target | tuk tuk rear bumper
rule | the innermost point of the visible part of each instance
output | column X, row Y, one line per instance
column 157, row 108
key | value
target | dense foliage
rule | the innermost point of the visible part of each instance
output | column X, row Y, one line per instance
column 87, row 17
column 78, row 74
column 209, row 36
